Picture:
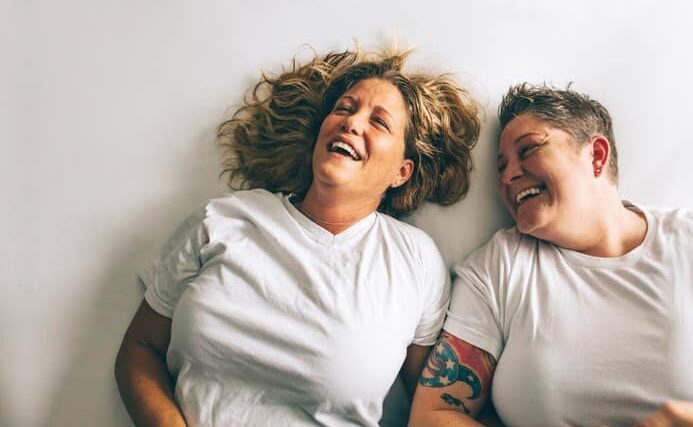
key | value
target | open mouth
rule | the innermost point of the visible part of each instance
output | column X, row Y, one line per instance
column 344, row 149
column 527, row 194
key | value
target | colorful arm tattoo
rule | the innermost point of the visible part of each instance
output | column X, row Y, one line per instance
column 453, row 360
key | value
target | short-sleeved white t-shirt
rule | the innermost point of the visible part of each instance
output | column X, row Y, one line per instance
column 581, row 340
column 276, row 321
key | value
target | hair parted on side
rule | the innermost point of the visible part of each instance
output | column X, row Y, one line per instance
column 268, row 142
column 566, row 109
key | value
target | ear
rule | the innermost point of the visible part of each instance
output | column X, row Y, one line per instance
column 403, row 173
column 601, row 150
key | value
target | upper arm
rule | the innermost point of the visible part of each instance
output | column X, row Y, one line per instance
column 180, row 261
column 416, row 357
column 149, row 328
column 457, row 376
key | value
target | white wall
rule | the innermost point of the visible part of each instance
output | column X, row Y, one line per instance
column 107, row 117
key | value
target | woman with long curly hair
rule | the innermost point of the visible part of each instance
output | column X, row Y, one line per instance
column 299, row 297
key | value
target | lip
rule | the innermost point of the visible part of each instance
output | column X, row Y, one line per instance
column 347, row 141
column 513, row 192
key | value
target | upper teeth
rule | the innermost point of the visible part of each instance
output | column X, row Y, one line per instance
column 346, row 147
column 528, row 192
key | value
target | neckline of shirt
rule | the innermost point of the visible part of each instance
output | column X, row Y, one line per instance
column 625, row 260
column 323, row 236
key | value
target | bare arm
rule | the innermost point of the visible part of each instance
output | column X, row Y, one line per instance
column 143, row 379
column 454, row 385
column 671, row 414
column 416, row 357
column 489, row 417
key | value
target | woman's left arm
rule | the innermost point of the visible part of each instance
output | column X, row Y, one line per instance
column 671, row 414
column 413, row 364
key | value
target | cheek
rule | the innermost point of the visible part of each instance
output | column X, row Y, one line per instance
column 501, row 191
column 509, row 209
column 321, row 132
column 560, row 185
column 323, row 135
column 330, row 122
column 389, row 147
column 396, row 162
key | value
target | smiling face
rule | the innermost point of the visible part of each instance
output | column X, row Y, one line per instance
column 360, row 147
column 546, row 180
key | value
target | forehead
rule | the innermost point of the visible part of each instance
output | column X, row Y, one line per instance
column 523, row 126
column 378, row 93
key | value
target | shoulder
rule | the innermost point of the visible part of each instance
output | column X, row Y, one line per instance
column 414, row 248
column 504, row 245
column 409, row 235
column 508, row 238
column 667, row 220
column 671, row 216
column 672, row 222
column 242, row 201
column 256, row 206
column 241, row 209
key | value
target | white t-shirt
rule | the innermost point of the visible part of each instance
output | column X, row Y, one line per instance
column 581, row 340
column 276, row 321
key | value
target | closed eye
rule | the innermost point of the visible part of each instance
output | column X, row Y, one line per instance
column 342, row 109
column 382, row 123
column 528, row 150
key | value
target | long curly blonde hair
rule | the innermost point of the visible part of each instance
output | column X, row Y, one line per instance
column 268, row 142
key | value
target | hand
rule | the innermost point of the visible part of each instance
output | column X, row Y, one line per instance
column 672, row 414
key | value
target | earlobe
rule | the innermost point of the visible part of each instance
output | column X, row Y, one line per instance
column 404, row 173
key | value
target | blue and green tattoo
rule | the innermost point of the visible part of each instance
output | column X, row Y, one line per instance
column 443, row 368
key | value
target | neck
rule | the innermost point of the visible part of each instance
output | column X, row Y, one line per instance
column 612, row 231
column 333, row 212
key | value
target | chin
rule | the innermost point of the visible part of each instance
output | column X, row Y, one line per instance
column 529, row 226
column 523, row 228
column 332, row 175
column 533, row 221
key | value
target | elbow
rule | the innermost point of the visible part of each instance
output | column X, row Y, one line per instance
column 417, row 417
column 120, row 365
column 124, row 361
column 413, row 421
column 420, row 420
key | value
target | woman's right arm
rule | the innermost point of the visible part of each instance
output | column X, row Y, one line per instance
column 454, row 385
column 140, row 370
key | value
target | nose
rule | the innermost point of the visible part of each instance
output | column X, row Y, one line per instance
column 512, row 172
column 352, row 123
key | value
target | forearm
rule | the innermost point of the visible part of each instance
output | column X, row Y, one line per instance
column 146, row 387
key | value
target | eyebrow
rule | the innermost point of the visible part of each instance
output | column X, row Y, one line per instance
column 383, row 109
column 501, row 157
column 345, row 98
column 377, row 107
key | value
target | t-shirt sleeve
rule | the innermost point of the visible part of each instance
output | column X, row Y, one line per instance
column 168, row 275
column 475, row 310
column 437, row 286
